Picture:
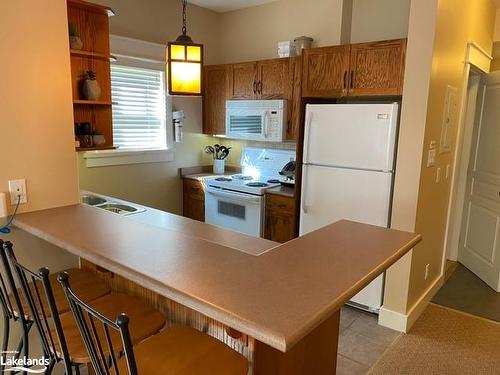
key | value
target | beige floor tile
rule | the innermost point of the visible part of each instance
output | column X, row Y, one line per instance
column 367, row 325
column 360, row 348
column 347, row 316
column 346, row 366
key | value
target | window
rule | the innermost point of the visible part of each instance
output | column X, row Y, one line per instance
column 139, row 115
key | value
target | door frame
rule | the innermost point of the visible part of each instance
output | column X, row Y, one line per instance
column 476, row 64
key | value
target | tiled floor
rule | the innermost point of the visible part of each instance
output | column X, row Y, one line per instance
column 362, row 341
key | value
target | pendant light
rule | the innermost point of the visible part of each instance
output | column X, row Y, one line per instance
column 184, row 63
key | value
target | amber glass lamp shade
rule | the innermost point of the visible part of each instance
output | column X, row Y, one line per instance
column 184, row 65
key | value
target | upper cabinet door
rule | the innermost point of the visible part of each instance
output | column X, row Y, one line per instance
column 273, row 79
column 377, row 68
column 216, row 80
column 325, row 71
column 244, row 81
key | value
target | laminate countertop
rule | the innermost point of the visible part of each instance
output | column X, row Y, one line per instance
column 277, row 297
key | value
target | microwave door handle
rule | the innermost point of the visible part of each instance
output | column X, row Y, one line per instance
column 266, row 124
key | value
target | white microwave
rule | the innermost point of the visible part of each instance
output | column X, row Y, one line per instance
column 256, row 120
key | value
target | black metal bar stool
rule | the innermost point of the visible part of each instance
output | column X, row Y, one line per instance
column 174, row 351
column 87, row 283
column 60, row 337
column 9, row 313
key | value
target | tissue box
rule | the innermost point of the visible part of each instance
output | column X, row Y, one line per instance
column 286, row 49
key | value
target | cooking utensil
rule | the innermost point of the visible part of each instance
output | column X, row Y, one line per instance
column 217, row 149
column 210, row 150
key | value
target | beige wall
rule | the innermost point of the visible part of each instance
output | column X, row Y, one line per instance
column 36, row 129
column 457, row 22
column 158, row 184
column 253, row 33
column 379, row 20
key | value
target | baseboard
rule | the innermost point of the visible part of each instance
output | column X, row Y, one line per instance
column 401, row 322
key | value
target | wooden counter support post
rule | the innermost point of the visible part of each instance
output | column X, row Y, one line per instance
column 314, row 354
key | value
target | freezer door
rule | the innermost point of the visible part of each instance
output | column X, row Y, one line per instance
column 331, row 194
column 359, row 136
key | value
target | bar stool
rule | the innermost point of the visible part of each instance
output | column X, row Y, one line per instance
column 59, row 333
column 174, row 351
column 86, row 283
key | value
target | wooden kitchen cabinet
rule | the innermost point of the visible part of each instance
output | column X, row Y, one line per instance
column 294, row 97
column 280, row 218
column 244, row 81
column 365, row 69
column 193, row 198
column 217, row 83
column 266, row 79
column 377, row 68
column 325, row 71
column 273, row 79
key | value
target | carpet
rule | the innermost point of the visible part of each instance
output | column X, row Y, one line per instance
column 444, row 341
column 464, row 291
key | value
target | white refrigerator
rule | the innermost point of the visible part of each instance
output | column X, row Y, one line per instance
column 347, row 173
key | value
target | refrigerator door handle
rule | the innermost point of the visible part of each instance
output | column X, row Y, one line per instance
column 304, row 189
column 307, row 136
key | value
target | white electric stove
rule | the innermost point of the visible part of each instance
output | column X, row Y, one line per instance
column 237, row 201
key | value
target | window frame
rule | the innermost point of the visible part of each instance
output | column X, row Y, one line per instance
column 140, row 54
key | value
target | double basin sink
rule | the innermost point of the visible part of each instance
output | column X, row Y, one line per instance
column 108, row 205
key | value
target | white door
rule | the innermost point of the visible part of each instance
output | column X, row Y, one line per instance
column 358, row 136
column 479, row 248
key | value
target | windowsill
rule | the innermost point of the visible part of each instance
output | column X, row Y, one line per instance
column 106, row 158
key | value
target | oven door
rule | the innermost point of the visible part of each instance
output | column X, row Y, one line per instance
column 233, row 210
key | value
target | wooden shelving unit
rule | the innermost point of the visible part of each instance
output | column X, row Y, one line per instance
column 90, row 54
column 92, row 102
column 92, row 23
column 83, row 149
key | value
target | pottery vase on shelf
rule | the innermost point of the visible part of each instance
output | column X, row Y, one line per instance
column 74, row 37
column 98, row 140
column 75, row 42
column 90, row 88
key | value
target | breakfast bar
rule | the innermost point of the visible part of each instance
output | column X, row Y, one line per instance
column 285, row 299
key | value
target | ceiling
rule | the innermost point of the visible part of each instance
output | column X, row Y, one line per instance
column 227, row 5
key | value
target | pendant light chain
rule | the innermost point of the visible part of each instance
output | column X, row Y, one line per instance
column 184, row 28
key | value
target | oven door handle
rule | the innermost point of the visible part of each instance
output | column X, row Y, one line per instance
column 233, row 195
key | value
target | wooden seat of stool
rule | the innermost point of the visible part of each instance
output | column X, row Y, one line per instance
column 184, row 351
column 146, row 322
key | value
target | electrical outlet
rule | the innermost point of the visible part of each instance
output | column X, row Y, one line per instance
column 427, row 268
column 17, row 191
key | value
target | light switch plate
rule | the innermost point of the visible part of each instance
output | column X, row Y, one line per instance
column 17, row 188
column 431, row 158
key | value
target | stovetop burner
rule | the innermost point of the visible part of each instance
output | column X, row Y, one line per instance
column 242, row 177
column 257, row 184
column 223, row 179
column 273, row 181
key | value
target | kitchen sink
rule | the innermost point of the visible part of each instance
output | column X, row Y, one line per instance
column 121, row 209
column 92, row 200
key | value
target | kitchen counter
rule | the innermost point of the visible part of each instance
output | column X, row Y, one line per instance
column 277, row 297
column 285, row 191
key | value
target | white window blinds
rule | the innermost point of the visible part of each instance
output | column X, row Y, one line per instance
column 139, row 115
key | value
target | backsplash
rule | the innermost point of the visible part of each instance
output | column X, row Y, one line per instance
column 237, row 146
